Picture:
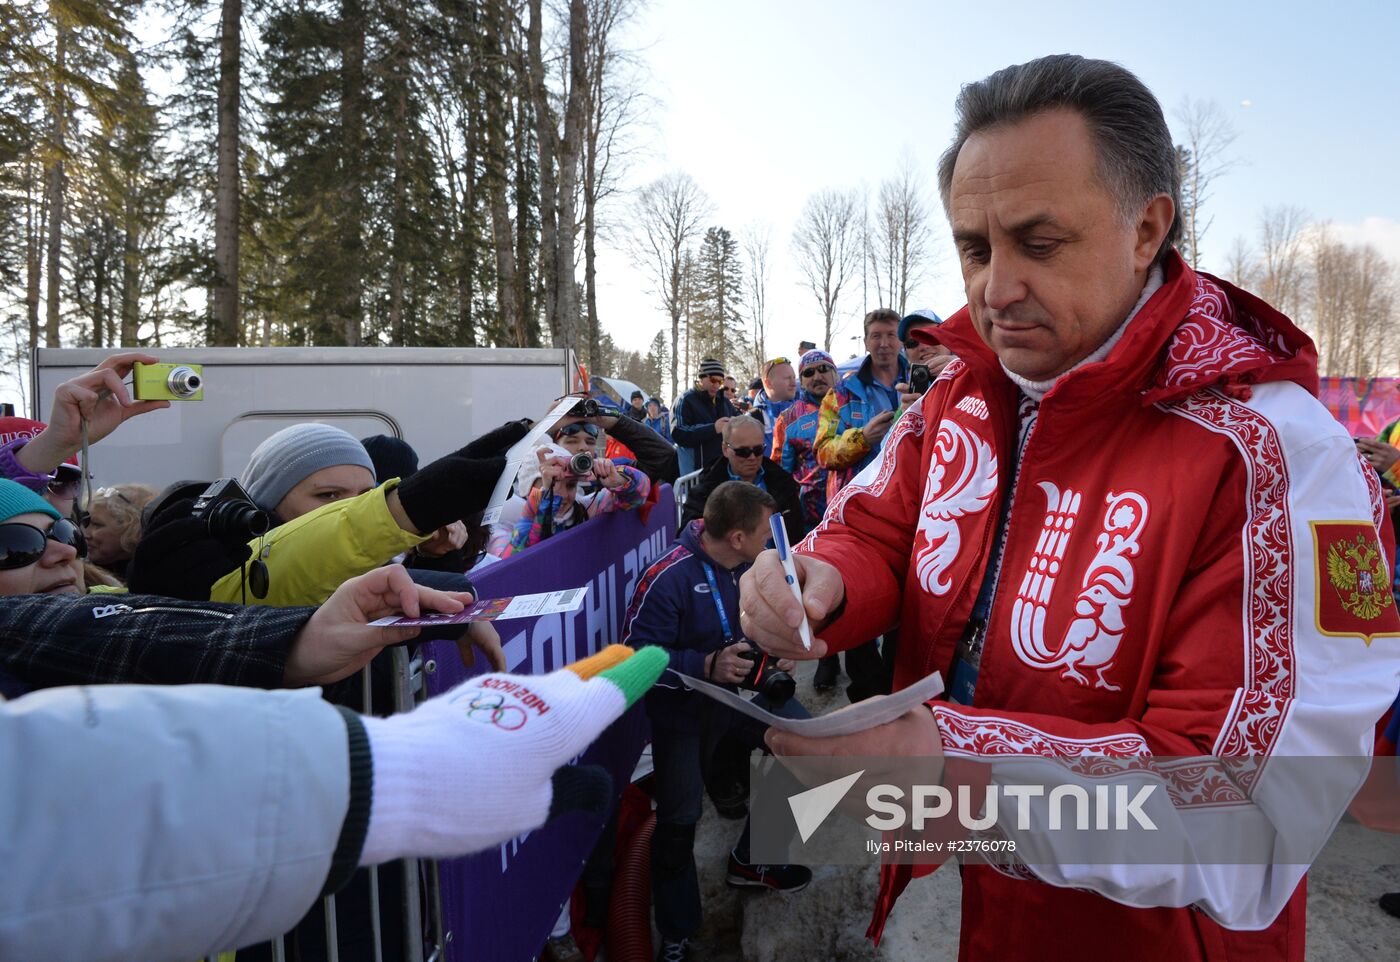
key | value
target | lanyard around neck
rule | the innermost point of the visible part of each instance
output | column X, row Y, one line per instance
column 719, row 603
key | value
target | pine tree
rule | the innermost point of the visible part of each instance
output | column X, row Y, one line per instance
column 718, row 327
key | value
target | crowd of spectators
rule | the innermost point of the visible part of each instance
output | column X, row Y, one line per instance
column 335, row 527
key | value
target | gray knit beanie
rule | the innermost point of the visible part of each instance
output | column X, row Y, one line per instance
column 294, row 454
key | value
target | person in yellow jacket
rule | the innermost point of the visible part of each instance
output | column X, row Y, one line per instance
column 333, row 523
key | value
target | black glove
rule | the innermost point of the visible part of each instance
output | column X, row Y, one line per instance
column 497, row 441
column 176, row 557
column 459, row 485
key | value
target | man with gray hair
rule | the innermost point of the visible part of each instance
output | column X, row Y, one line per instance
column 1125, row 531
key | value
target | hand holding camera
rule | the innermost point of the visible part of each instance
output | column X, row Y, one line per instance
column 728, row 666
column 98, row 397
column 746, row 665
column 608, row 474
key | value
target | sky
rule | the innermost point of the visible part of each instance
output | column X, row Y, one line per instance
column 765, row 102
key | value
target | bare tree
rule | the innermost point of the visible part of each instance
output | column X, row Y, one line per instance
column 756, row 243
column 1352, row 319
column 1240, row 267
column 668, row 213
column 902, row 236
column 1203, row 157
column 827, row 245
column 227, row 190
column 1281, row 267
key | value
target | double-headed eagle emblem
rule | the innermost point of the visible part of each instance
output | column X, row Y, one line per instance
column 1359, row 576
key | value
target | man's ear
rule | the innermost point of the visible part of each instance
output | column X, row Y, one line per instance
column 1152, row 229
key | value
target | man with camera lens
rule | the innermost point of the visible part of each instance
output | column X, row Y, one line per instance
column 688, row 603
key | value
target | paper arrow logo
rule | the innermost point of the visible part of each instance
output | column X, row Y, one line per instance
column 810, row 808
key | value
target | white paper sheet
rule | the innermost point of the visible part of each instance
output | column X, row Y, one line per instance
column 844, row 721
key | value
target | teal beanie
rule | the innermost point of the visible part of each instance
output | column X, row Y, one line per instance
column 16, row 499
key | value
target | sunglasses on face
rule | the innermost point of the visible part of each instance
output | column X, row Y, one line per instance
column 21, row 545
column 817, row 369
column 569, row 430
column 752, row 452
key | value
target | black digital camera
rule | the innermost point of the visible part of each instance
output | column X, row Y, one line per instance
column 766, row 678
column 919, row 378
column 230, row 513
column 586, row 408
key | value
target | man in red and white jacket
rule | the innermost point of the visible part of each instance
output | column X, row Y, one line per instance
column 1121, row 526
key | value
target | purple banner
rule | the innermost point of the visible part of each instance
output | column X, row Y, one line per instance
column 501, row 904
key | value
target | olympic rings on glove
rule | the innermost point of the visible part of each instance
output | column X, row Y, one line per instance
column 506, row 717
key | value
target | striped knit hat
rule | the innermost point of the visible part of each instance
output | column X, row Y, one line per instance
column 710, row 366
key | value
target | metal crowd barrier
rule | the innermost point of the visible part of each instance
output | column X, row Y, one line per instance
column 682, row 489
column 424, row 939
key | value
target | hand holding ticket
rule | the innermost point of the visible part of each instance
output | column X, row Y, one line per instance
column 495, row 609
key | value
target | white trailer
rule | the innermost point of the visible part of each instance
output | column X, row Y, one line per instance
column 436, row 399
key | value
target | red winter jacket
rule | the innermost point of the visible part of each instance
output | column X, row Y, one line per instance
column 1169, row 587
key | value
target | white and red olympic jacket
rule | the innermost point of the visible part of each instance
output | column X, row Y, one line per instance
column 1191, row 569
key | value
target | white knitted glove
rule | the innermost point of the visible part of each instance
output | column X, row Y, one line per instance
column 481, row 763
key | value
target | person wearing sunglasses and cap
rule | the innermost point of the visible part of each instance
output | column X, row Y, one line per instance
column 795, row 434
column 698, row 420
column 743, row 460
column 41, row 552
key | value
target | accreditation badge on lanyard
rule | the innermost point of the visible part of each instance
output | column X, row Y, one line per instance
column 729, row 636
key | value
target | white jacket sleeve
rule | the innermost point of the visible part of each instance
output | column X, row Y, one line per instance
column 164, row 823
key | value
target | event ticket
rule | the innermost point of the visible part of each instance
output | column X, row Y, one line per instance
column 844, row 721
column 496, row 609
